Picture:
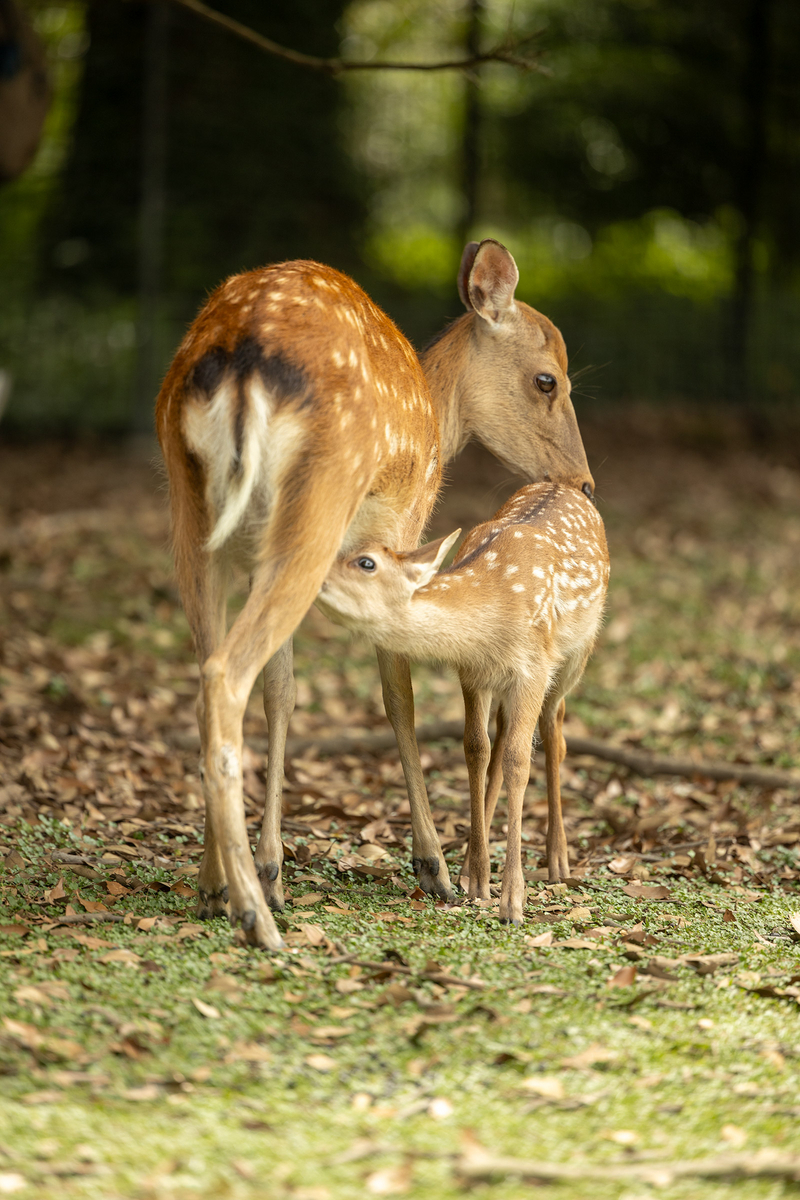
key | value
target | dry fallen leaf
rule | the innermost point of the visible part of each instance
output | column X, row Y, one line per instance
column 624, row 977
column 390, row 1181
column 250, row 1052
column 308, row 899
column 589, row 1057
column 11, row 1181
column 320, row 1062
column 128, row 957
column 645, row 891
column 622, row 1137
column 541, row 939
column 794, row 921
column 621, row 865
column 206, row 1010
column 544, row 1085
column 734, row 1135
column 346, row 986
column 56, row 893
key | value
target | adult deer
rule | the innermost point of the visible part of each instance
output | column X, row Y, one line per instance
column 517, row 613
column 296, row 424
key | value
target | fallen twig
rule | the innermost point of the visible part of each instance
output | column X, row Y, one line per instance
column 476, row 1163
column 440, row 977
column 89, row 918
column 635, row 760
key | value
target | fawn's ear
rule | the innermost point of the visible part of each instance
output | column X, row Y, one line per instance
column 421, row 565
column 493, row 279
column 467, row 259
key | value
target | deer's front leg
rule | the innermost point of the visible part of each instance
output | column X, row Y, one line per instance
column 279, row 698
column 477, row 752
column 551, row 728
column 398, row 698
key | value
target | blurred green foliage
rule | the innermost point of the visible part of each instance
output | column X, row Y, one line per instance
column 614, row 176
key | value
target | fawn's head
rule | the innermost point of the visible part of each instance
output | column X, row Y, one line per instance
column 507, row 364
column 367, row 589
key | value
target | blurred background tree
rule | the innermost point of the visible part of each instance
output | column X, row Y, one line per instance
column 647, row 184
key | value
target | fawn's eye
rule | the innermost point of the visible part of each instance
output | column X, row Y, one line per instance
column 366, row 564
column 545, row 383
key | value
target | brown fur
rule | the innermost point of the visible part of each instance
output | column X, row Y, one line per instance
column 517, row 614
column 296, row 423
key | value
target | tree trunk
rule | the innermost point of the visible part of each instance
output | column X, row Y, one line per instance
column 151, row 212
column 754, row 92
column 470, row 146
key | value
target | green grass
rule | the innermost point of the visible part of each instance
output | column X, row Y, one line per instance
column 131, row 1091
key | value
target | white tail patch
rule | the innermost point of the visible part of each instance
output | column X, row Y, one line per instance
column 269, row 446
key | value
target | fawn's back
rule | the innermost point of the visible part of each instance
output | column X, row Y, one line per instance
column 525, row 593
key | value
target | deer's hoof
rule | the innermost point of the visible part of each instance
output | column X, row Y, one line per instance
column 269, row 875
column 433, row 878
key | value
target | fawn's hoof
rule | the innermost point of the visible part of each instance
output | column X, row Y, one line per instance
column 269, row 876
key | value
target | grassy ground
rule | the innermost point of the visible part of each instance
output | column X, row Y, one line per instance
column 142, row 1054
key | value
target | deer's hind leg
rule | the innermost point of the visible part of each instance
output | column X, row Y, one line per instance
column 279, row 698
column 203, row 583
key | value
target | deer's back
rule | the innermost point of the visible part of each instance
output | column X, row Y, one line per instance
column 324, row 363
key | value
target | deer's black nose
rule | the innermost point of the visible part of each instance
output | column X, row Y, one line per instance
column 587, row 491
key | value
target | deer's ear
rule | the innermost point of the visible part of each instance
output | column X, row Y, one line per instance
column 493, row 279
column 467, row 259
column 421, row 565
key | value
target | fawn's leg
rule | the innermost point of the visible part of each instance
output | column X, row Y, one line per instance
column 279, row 697
column 477, row 751
column 517, row 769
column 493, row 785
column 398, row 698
column 550, row 726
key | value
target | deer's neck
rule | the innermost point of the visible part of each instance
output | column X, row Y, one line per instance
column 444, row 363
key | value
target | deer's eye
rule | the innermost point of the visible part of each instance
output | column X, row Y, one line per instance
column 366, row 564
column 545, row 383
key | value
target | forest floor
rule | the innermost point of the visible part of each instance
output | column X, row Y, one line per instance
column 640, row 1031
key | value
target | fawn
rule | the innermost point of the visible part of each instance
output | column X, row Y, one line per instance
column 296, row 424
column 517, row 613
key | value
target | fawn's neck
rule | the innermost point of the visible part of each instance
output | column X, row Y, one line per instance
column 447, row 621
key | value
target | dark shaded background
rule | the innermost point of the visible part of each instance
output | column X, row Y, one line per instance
column 661, row 108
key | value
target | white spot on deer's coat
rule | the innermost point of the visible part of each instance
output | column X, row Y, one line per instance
column 512, row 570
column 518, row 587
column 337, row 358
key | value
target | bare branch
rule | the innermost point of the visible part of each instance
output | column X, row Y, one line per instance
column 638, row 761
column 505, row 52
